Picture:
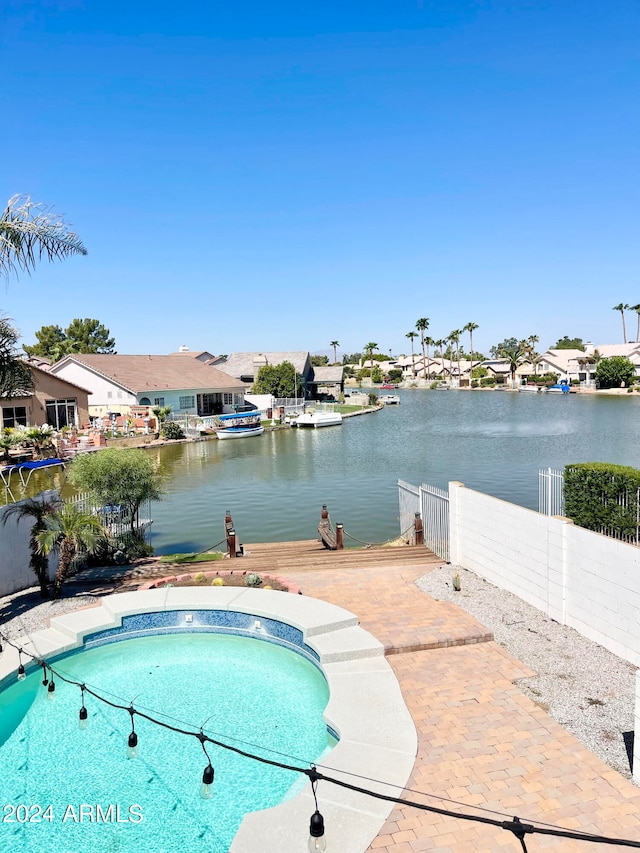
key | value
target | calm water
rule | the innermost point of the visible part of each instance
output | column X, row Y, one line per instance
column 253, row 693
column 275, row 484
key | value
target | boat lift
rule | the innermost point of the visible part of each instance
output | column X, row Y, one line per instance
column 25, row 470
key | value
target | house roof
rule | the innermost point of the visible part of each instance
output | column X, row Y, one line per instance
column 242, row 363
column 332, row 373
column 630, row 351
column 137, row 373
column 560, row 358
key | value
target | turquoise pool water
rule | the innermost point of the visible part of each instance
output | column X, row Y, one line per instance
column 243, row 691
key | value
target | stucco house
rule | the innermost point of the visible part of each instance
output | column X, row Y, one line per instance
column 245, row 366
column 54, row 400
column 122, row 384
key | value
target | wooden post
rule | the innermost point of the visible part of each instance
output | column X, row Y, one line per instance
column 231, row 543
column 325, row 512
column 339, row 537
column 419, row 533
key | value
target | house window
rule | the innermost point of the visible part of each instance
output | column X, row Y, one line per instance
column 13, row 416
column 187, row 402
column 227, row 399
column 145, row 401
column 109, row 395
column 62, row 413
column 158, row 401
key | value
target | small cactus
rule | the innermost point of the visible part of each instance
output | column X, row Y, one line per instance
column 252, row 579
column 199, row 577
column 217, row 582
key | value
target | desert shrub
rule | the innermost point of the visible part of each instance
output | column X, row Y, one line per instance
column 217, row 582
column 172, row 430
column 199, row 577
column 252, row 579
column 487, row 381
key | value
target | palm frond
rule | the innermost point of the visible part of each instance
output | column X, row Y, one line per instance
column 31, row 231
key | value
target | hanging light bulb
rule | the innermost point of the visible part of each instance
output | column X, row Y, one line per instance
column 317, row 841
column 51, row 690
column 21, row 673
column 132, row 747
column 83, row 717
column 206, row 788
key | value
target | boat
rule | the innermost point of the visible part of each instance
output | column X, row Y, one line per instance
column 531, row 388
column 239, row 432
column 388, row 386
column 390, row 399
column 562, row 387
column 318, row 419
column 239, row 425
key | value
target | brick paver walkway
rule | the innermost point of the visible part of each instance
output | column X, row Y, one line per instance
column 481, row 741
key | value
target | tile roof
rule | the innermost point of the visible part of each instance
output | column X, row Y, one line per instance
column 328, row 373
column 241, row 363
column 138, row 373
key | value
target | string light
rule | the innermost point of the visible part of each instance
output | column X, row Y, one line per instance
column 317, row 841
column 83, row 717
column 51, row 689
column 132, row 747
column 21, row 673
column 45, row 680
column 206, row 787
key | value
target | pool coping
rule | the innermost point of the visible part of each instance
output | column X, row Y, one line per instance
column 366, row 708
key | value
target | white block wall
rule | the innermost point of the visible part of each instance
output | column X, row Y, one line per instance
column 580, row 578
column 15, row 574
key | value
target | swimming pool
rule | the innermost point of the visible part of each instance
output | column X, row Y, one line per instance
column 176, row 651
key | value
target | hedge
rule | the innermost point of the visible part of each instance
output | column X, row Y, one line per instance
column 601, row 495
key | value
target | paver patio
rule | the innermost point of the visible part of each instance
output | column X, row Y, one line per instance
column 481, row 741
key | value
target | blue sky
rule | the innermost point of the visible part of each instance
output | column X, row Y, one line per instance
column 277, row 175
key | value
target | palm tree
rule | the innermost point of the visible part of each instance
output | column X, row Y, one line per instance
column 636, row 308
column 622, row 307
column 411, row 336
column 515, row 352
column 335, row 345
column 422, row 325
column 470, row 327
column 38, row 510
column 429, row 342
column 369, row 348
column 70, row 531
column 454, row 337
column 439, row 344
column 29, row 231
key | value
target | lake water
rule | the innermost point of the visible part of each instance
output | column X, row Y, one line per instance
column 275, row 485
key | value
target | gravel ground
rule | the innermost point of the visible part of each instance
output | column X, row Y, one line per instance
column 586, row 688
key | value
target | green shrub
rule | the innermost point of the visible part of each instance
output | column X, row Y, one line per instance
column 500, row 379
column 252, row 579
column 373, row 399
column 172, row 430
column 601, row 495
column 487, row 381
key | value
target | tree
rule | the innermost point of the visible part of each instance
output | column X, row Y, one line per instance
column 622, row 308
column 86, row 335
column 118, row 478
column 15, row 376
column 412, row 336
column 29, row 231
column 569, row 343
column 615, row 372
column 161, row 413
column 335, row 345
column 422, row 325
column 278, row 380
column 71, row 532
column 470, row 327
column 454, row 337
column 636, row 308
column 429, row 342
column 319, row 360
column 37, row 510
column 369, row 348
column 515, row 352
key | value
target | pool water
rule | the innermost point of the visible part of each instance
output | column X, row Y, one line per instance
column 249, row 693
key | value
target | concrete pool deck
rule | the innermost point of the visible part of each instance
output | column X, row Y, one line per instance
column 482, row 742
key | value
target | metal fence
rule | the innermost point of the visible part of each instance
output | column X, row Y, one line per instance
column 409, row 502
column 551, row 492
column 115, row 519
column 435, row 519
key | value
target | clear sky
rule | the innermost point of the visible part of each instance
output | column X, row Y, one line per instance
column 277, row 175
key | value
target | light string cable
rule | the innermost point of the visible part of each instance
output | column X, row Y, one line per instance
column 518, row 828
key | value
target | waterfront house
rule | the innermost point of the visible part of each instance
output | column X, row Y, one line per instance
column 54, row 400
column 326, row 381
column 245, row 366
column 121, row 384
